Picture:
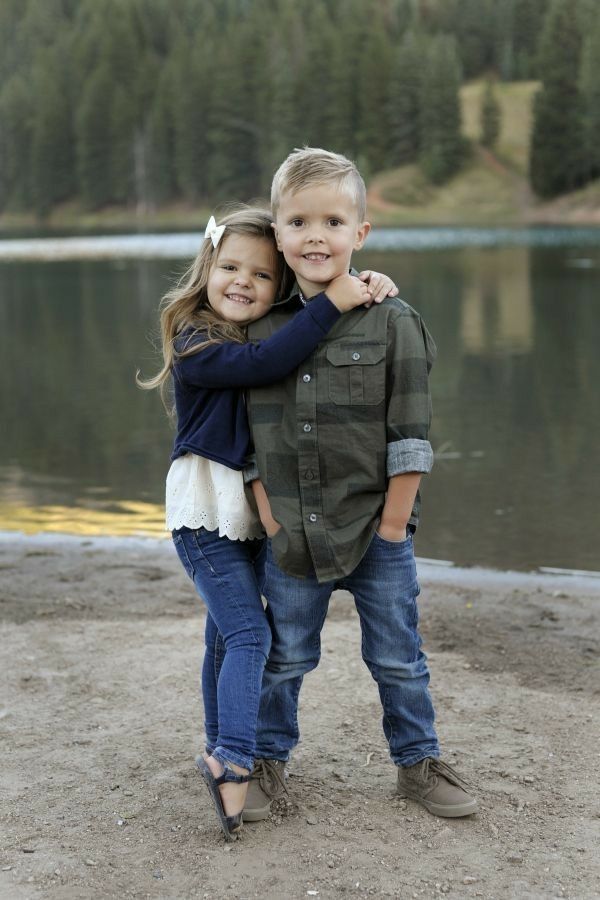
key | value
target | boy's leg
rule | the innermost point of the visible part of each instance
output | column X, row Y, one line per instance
column 385, row 590
column 296, row 610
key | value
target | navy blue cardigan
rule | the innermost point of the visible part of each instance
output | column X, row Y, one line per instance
column 209, row 398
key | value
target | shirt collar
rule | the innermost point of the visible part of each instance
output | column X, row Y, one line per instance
column 296, row 293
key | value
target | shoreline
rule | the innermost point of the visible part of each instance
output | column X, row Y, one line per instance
column 431, row 570
column 184, row 244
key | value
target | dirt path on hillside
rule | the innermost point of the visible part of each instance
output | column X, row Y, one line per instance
column 524, row 199
column 100, row 723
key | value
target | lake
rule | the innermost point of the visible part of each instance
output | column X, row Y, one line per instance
column 516, row 317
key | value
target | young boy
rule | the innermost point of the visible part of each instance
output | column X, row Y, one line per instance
column 340, row 448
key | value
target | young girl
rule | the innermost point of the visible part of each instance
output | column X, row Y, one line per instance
column 234, row 280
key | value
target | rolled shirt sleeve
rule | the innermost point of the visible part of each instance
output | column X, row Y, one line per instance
column 411, row 353
column 250, row 471
column 410, row 455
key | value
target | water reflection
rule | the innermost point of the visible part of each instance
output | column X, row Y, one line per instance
column 516, row 424
column 496, row 313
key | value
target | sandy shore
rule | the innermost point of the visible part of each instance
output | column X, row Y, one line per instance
column 100, row 722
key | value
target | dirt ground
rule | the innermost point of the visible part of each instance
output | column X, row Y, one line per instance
column 100, row 721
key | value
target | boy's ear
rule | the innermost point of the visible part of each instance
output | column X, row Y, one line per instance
column 277, row 241
column 361, row 234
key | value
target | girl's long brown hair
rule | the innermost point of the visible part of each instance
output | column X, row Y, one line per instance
column 186, row 307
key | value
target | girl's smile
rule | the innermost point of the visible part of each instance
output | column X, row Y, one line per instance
column 243, row 279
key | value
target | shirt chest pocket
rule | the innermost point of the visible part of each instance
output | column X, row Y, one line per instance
column 356, row 374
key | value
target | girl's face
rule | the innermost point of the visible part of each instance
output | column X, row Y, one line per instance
column 243, row 278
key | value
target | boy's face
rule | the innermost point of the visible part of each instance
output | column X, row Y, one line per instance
column 317, row 229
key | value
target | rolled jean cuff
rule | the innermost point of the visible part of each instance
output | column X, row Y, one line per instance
column 417, row 756
column 230, row 756
column 409, row 455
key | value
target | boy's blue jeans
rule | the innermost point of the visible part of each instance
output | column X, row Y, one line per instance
column 226, row 575
column 385, row 591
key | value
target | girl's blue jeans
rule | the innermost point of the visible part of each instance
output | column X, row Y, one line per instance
column 227, row 575
column 385, row 590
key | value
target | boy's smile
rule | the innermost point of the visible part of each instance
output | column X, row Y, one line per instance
column 317, row 229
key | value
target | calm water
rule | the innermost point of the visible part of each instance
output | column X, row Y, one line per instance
column 516, row 397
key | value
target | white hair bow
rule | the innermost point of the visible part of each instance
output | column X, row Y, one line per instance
column 214, row 231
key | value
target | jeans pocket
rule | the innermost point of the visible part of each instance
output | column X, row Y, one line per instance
column 179, row 544
column 394, row 543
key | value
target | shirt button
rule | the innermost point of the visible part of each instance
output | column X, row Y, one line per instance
column 309, row 475
column 308, row 427
column 312, row 517
column 356, row 356
column 306, row 378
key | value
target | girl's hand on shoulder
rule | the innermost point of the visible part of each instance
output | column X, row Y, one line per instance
column 378, row 285
column 347, row 292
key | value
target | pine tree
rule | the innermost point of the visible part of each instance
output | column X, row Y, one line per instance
column 440, row 140
column 503, row 58
column 260, row 43
column 282, row 130
column 474, row 32
column 315, row 94
column 16, row 116
column 556, row 156
column 121, row 127
column 589, row 85
column 233, row 131
column 94, row 141
column 490, row 115
column 51, row 147
column 528, row 20
column 195, row 85
column 348, row 40
column 373, row 137
column 404, row 91
column 161, row 142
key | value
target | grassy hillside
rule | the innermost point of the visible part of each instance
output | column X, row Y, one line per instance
column 492, row 187
column 515, row 103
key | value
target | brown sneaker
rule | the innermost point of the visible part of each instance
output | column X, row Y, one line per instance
column 437, row 787
column 267, row 783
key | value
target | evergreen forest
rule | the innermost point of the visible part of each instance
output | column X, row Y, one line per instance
column 147, row 102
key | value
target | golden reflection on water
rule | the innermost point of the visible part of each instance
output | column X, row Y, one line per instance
column 496, row 309
column 121, row 519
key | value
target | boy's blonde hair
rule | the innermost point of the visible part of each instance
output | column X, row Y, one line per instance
column 185, row 308
column 310, row 166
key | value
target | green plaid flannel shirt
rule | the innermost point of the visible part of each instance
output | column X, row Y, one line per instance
column 329, row 436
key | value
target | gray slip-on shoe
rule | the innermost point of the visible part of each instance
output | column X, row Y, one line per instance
column 267, row 784
column 436, row 786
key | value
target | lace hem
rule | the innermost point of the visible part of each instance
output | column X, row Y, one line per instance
column 236, row 531
column 202, row 493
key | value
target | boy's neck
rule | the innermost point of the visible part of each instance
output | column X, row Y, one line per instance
column 309, row 289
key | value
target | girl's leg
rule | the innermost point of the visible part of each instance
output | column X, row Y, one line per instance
column 210, row 673
column 223, row 572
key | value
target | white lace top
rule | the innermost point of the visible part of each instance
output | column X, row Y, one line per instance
column 205, row 493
